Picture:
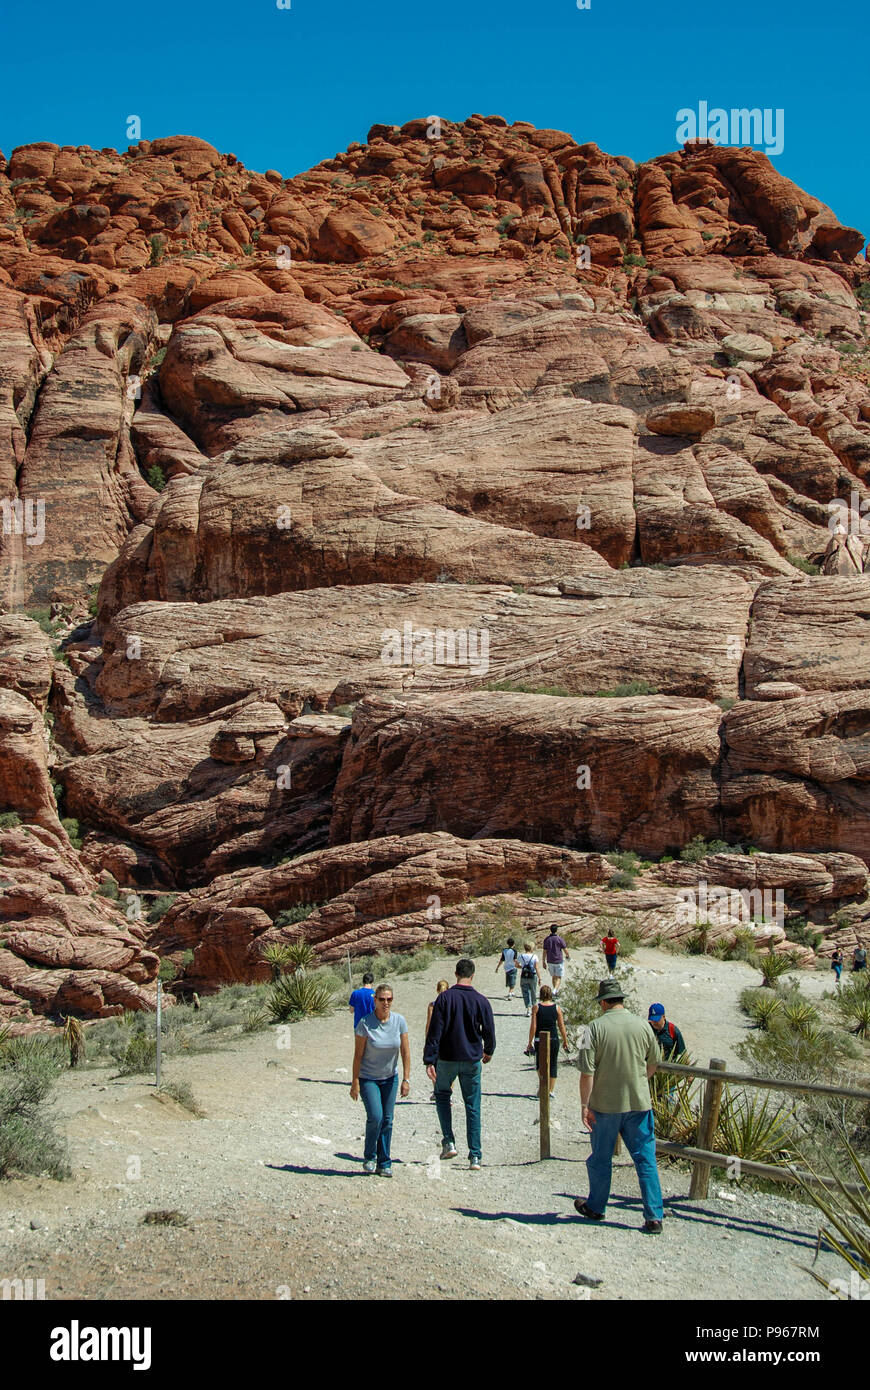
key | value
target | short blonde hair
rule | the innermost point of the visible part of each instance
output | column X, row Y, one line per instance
column 441, row 986
column 528, row 946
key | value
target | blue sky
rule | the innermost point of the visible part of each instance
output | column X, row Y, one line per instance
column 285, row 88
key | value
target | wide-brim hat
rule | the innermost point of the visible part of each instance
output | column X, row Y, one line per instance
column 610, row 989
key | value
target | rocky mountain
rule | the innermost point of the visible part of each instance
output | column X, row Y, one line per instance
column 445, row 518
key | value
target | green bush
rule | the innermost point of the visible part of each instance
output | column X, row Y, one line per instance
column 160, row 907
column 109, row 889
column 753, row 1126
column 158, row 248
column 300, row 996
column 73, row 830
column 805, row 566
column 29, row 1141
column 773, row 967
column 621, row 879
column 277, row 956
column 181, row 1093
column 140, row 1055
column 625, row 688
column 156, row 477
column 853, row 1004
column 529, row 688
column 291, row 915
column 167, row 971
column 9, row 819
column 698, row 848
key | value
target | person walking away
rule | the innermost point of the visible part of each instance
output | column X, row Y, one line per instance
column 508, row 959
column 530, row 975
column 859, row 958
column 362, row 1001
column 837, row 963
column 670, row 1038
column 439, row 989
column 460, row 1040
column 618, row 1057
column 555, row 954
column 381, row 1038
column 610, row 946
column 547, row 1018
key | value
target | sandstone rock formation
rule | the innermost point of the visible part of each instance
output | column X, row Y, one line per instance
column 440, row 518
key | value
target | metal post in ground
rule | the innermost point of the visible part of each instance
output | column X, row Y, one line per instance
column 544, row 1091
column 707, row 1128
column 159, row 1022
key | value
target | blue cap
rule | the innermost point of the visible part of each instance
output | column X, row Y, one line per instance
column 656, row 1011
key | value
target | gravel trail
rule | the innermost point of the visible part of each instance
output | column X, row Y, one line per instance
column 277, row 1206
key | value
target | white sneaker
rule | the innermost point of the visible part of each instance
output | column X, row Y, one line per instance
column 475, row 1165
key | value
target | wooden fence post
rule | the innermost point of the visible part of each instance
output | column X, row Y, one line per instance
column 544, row 1090
column 707, row 1128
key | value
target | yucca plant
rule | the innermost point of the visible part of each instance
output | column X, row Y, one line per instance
column 753, row 1127
column 773, row 966
column 853, row 1004
column 799, row 1013
column 847, row 1213
column 673, row 1104
column 74, row 1040
column 300, row 956
column 299, row 996
column 763, row 1010
column 276, row 954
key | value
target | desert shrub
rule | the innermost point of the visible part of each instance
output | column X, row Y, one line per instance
column 773, row 967
column 625, row 688
column 675, row 1104
column 300, row 996
column 254, row 1020
column 140, row 1055
column 168, row 971
column 158, row 248
column 276, row 955
column 109, row 889
column 799, row 1013
column 9, row 820
column 291, row 915
column 579, row 996
column 752, row 1125
column 180, row 1092
column 160, row 906
column 74, row 1040
column 73, row 830
column 846, row 1213
column 29, row 1141
column 624, row 859
column 761, row 1005
column 42, row 617
column 621, row 879
column 698, row 848
column 805, row 566
column 741, row 945
column 530, row 688
column 633, row 260
column 853, row 1005
column 156, row 477
column 798, row 930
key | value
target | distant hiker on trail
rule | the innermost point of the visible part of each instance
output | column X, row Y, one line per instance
column 508, row 959
column 555, row 954
column 619, row 1056
column 610, row 947
column 670, row 1038
column 547, row 1018
column 859, row 959
column 530, row 975
column 380, row 1039
column 362, row 1001
column 459, row 1040
column 439, row 989
column 837, row 964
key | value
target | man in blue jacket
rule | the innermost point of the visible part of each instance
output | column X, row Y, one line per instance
column 460, row 1039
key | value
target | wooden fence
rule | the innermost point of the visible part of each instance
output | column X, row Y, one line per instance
column 703, row 1157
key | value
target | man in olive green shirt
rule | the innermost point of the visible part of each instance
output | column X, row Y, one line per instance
column 619, row 1054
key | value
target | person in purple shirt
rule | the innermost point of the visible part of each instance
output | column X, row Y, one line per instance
column 555, row 954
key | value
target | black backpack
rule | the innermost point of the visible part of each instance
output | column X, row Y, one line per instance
column 528, row 970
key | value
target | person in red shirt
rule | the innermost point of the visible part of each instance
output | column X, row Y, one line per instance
column 610, row 946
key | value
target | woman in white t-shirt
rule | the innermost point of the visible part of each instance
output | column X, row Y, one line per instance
column 530, row 975
column 381, row 1038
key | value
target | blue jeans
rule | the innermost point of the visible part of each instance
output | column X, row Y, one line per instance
column 636, row 1128
column 469, row 1084
column 379, row 1099
column 530, row 991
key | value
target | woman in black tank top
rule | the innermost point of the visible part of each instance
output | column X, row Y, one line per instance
column 547, row 1018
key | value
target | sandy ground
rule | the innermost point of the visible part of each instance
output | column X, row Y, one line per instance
column 270, row 1179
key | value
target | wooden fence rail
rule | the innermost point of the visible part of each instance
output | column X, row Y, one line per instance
column 813, row 1088
column 710, row 1159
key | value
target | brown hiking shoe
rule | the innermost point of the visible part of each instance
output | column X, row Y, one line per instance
column 587, row 1212
column 652, row 1228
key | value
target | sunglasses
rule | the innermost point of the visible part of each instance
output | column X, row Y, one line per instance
column 382, row 999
